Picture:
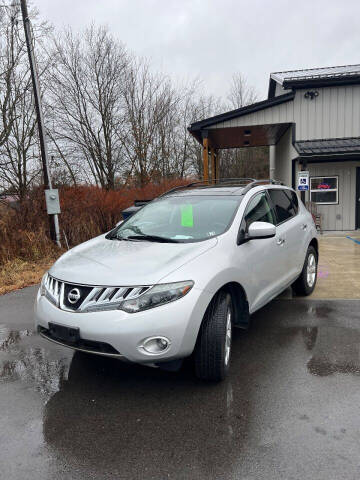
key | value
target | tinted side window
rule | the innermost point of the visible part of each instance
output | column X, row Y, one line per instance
column 284, row 206
column 258, row 210
column 294, row 199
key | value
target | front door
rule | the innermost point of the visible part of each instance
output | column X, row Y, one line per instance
column 357, row 208
column 261, row 259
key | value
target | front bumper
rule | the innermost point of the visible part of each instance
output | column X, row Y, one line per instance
column 179, row 321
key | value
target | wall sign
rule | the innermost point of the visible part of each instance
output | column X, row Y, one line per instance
column 303, row 180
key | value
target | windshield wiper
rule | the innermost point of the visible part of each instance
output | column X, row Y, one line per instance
column 152, row 238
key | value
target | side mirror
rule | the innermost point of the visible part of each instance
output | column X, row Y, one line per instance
column 119, row 223
column 261, row 230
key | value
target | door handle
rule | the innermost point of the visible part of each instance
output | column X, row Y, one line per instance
column 280, row 241
column 304, row 226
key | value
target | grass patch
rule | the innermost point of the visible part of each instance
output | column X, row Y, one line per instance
column 18, row 273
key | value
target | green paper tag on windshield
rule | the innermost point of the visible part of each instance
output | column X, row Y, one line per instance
column 187, row 219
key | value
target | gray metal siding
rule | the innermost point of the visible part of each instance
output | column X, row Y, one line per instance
column 335, row 113
column 341, row 216
column 282, row 113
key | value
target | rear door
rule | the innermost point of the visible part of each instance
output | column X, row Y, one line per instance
column 290, row 226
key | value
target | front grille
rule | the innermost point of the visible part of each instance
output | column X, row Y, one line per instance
column 77, row 291
column 82, row 343
column 85, row 298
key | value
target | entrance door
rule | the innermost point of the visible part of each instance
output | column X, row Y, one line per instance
column 357, row 220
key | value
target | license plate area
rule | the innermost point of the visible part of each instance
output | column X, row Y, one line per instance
column 66, row 334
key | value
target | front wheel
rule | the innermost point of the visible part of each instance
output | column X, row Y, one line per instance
column 306, row 282
column 213, row 347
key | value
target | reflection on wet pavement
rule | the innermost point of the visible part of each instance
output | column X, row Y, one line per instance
column 145, row 420
column 289, row 408
column 336, row 350
column 11, row 337
column 31, row 365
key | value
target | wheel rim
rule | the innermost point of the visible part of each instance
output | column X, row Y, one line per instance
column 311, row 270
column 228, row 337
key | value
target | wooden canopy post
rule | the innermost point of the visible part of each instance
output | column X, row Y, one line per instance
column 206, row 157
column 213, row 164
column 217, row 166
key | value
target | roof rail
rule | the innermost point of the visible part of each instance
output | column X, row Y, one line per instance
column 265, row 181
column 140, row 203
column 209, row 183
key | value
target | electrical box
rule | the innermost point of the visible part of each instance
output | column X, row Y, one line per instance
column 52, row 201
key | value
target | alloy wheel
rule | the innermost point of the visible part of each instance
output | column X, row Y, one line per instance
column 228, row 336
column 311, row 270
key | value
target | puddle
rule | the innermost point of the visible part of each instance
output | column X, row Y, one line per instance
column 335, row 350
column 23, row 360
column 10, row 337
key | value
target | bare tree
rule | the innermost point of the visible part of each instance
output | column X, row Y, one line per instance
column 11, row 55
column 19, row 152
column 85, row 87
column 149, row 102
column 110, row 119
column 240, row 92
column 196, row 107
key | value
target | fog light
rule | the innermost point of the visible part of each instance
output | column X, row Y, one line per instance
column 156, row 345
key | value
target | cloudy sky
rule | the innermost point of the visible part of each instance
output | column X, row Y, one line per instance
column 211, row 39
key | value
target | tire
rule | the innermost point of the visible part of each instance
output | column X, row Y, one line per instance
column 213, row 346
column 306, row 282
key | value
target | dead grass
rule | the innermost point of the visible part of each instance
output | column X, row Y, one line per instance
column 18, row 273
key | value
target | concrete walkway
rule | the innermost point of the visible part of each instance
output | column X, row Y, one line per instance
column 339, row 267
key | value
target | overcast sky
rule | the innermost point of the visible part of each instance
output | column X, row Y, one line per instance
column 211, row 39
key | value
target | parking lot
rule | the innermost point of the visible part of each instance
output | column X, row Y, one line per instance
column 290, row 408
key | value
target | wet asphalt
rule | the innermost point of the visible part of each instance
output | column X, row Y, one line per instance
column 290, row 408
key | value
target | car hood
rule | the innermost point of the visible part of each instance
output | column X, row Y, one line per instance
column 112, row 262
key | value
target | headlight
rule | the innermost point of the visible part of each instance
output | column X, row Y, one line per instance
column 156, row 296
column 43, row 284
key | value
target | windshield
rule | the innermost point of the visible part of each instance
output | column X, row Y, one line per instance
column 179, row 219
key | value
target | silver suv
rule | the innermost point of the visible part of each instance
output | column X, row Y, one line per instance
column 175, row 278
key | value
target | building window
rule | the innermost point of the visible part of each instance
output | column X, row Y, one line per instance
column 324, row 190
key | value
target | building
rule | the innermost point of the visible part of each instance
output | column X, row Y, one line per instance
column 310, row 121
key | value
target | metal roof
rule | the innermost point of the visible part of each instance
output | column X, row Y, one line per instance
column 316, row 73
column 328, row 146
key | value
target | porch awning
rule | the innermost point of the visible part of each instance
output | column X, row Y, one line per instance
column 257, row 125
column 252, row 136
column 328, row 146
column 228, row 131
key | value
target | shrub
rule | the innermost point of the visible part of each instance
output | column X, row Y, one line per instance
column 86, row 211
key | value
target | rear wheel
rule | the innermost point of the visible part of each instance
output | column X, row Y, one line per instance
column 213, row 347
column 306, row 282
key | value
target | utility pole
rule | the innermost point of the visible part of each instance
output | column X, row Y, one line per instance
column 53, row 218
